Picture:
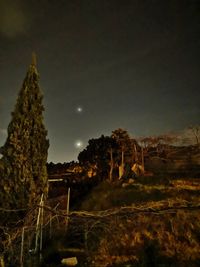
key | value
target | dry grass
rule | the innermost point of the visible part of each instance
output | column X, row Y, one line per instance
column 148, row 239
column 106, row 196
column 151, row 240
column 145, row 224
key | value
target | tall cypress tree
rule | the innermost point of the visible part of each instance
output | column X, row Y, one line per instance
column 23, row 165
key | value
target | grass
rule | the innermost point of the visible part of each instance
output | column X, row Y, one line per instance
column 153, row 239
column 158, row 239
column 107, row 195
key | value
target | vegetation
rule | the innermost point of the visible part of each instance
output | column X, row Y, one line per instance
column 23, row 165
column 110, row 157
column 143, row 191
column 136, row 220
column 118, row 216
column 145, row 224
column 195, row 131
column 152, row 239
column 96, row 155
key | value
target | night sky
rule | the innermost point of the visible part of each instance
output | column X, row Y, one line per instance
column 103, row 65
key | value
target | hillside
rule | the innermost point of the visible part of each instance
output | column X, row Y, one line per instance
column 139, row 221
column 153, row 221
column 176, row 160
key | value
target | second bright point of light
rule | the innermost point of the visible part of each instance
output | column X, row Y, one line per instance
column 79, row 109
column 78, row 144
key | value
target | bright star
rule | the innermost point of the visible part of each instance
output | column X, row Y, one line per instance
column 78, row 144
column 79, row 109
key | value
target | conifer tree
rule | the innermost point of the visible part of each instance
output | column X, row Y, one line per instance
column 23, row 165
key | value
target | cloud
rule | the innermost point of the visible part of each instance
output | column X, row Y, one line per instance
column 13, row 20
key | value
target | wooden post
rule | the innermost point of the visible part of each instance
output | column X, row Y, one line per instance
column 2, row 264
column 22, row 248
column 68, row 199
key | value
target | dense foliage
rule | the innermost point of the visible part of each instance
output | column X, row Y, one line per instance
column 97, row 154
column 107, row 154
column 23, row 165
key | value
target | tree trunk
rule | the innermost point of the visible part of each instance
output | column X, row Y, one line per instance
column 135, row 153
column 142, row 155
column 111, row 165
column 121, row 167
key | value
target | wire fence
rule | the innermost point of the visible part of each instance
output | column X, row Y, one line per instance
column 44, row 223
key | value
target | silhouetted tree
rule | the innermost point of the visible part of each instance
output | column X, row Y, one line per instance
column 23, row 165
column 126, row 148
column 195, row 131
column 97, row 154
column 157, row 143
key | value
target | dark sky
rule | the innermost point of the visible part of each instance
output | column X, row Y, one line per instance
column 132, row 64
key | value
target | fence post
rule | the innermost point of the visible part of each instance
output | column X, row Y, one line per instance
column 41, row 224
column 2, row 264
column 68, row 199
column 22, row 248
column 38, row 229
column 50, row 227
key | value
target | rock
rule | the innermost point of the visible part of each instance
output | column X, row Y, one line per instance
column 70, row 261
column 131, row 181
column 125, row 185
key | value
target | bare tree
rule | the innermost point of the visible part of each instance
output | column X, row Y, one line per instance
column 195, row 130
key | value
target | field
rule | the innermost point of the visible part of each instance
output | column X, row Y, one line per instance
column 152, row 221
column 146, row 221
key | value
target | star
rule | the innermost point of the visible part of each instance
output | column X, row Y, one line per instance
column 79, row 144
column 79, row 109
